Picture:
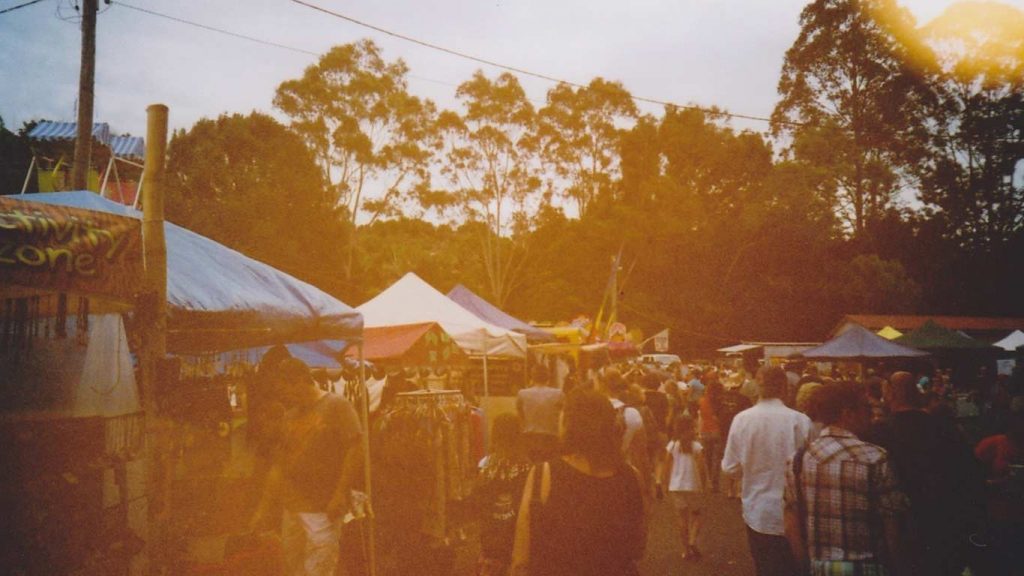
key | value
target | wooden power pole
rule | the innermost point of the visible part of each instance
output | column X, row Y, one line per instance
column 86, row 82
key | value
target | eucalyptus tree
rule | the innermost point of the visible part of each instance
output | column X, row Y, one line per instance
column 373, row 139
column 972, row 173
column 854, row 98
column 252, row 184
column 579, row 131
column 490, row 160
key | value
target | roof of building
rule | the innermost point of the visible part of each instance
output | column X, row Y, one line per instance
column 904, row 323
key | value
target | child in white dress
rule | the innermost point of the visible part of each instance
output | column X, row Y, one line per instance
column 685, row 476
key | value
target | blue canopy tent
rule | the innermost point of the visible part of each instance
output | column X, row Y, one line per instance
column 488, row 312
column 219, row 299
column 317, row 354
column 859, row 343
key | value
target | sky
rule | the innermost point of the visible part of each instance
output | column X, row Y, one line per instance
column 726, row 53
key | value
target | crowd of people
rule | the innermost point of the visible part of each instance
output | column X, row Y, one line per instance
column 836, row 475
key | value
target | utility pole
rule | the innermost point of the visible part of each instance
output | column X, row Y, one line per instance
column 86, row 82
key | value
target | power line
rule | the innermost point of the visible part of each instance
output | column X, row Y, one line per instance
column 215, row 29
column 545, row 77
column 260, row 40
column 522, row 71
column 26, row 4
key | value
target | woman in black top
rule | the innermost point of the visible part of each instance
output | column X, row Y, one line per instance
column 582, row 514
column 497, row 494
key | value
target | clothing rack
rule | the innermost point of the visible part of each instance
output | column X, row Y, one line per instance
column 432, row 425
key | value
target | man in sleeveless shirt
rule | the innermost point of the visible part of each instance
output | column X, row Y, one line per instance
column 539, row 407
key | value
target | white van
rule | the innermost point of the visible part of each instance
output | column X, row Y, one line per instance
column 662, row 361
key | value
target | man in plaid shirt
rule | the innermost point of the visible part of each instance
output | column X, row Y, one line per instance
column 842, row 503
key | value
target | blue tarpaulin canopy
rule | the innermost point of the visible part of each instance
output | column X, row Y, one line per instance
column 488, row 312
column 219, row 299
column 316, row 354
column 858, row 342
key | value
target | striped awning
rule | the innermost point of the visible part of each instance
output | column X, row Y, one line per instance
column 128, row 147
column 47, row 130
column 121, row 146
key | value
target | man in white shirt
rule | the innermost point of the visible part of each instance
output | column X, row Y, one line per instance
column 761, row 440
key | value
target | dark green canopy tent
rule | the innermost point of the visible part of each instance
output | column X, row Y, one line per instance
column 932, row 336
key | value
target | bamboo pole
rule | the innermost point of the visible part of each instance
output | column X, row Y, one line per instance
column 371, row 523
column 154, row 332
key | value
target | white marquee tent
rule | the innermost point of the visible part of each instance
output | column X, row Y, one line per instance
column 411, row 300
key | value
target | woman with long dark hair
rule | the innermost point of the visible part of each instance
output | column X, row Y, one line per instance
column 497, row 494
column 710, row 410
column 582, row 514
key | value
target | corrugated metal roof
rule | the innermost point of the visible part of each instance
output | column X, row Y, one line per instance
column 47, row 130
column 738, row 348
column 128, row 146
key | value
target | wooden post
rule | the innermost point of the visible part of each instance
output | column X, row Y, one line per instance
column 154, row 332
column 86, row 82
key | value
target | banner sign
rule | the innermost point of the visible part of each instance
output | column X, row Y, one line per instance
column 661, row 341
column 62, row 249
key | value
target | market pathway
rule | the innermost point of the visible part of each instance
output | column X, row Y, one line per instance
column 723, row 542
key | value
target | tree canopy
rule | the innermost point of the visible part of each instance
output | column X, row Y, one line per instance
column 250, row 183
column 884, row 186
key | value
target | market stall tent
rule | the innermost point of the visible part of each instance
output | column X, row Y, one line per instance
column 490, row 313
column 889, row 333
column 220, row 299
column 411, row 300
column 65, row 274
column 931, row 336
column 1012, row 342
column 83, row 375
column 70, row 413
column 859, row 343
column 424, row 344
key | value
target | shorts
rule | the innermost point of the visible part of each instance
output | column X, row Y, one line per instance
column 311, row 543
column 687, row 500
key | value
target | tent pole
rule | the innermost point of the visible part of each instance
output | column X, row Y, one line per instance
column 28, row 175
column 138, row 190
column 371, row 548
column 487, row 391
column 106, row 176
